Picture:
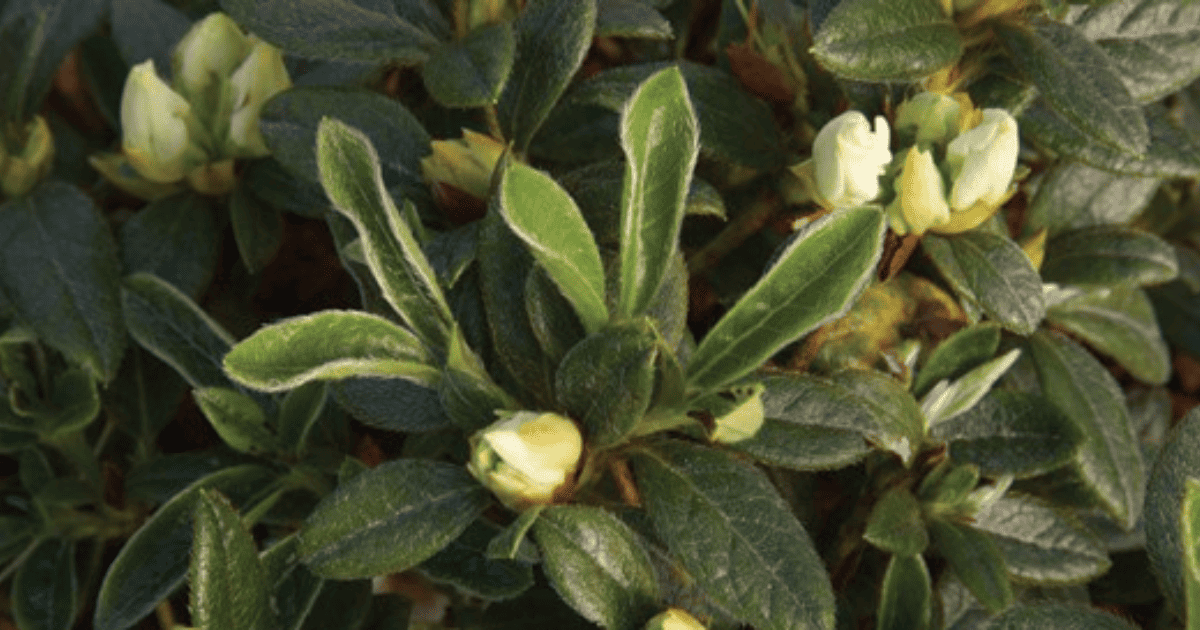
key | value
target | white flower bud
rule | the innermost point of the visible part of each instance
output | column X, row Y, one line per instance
column 935, row 116
column 155, row 126
column 207, row 55
column 982, row 160
column 674, row 619
column 525, row 457
column 920, row 195
column 737, row 414
column 849, row 158
column 261, row 76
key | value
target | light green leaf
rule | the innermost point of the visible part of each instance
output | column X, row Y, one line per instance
column 730, row 529
column 328, row 345
column 992, row 273
column 1109, row 459
column 816, row 279
column 906, row 601
column 350, row 173
column 45, row 589
column 1165, row 493
column 1011, row 433
column 547, row 220
column 1039, row 544
column 1075, row 195
column 620, row 591
column 976, row 560
column 896, row 524
column 661, row 142
column 886, row 40
column 390, row 518
column 946, row 400
column 957, row 354
column 227, row 585
column 1108, row 254
column 237, row 418
column 1118, row 321
column 471, row 72
column 1190, row 533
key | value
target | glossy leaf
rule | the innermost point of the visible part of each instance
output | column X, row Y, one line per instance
column 174, row 238
column 472, row 71
column 661, row 143
column 547, row 220
column 730, row 529
column 992, row 273
column 896, row 524
column 1076, row 195
column 1165, row 494
column 886, row 40
column 1108, row 255
column 1109, row 459
column 1079, row 82
column 59, row 270
column 1059, row 616
column 945, row 402
column 1011, row 433
column 464, row 564
column 957, row 354
column 976, row 560
column 257, row 228
column 227, row 585
column 552, row 37
column 328, row 345
column 1119, row 322
column 173, row 328
column 620, row 589
column 237, row 418
column 350, row 173
column 45, row 589
column 1039, row 544
column 906, row 601
column 815, row 280
column 390, row 518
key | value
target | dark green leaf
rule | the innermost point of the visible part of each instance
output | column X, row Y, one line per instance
column 59, row 270
column 226, row 582
column 1177, row 462
column 539, row 607
column 471, row 72
column 298, row 413
column 992, row 273
column 340, row 605
column 469, row 395
column 892, row 40
column 976, row 560
column 630, row 18
column 1058, row 616
column 1076, row 195
column 1109, row 459
column 957, row 354
column 277, row 186
column 237, row 418
column 1118, row 321
column 552, row 38
column 1079, row 82
column 45, row 589
column 1108, row 254
column 390, row 518
column 804, row 446
column 1040, row 545
column 906, row 602
column 512, row 544
column 816, row 279
column 465, row 565
column 350, row 173
column 896, row 524
column 335, row 29
column 373, row 401
column 34, row 470
column 389, row 611
column 63, row 23
column 147, row 29
column 950, row 398
column 1011, row 433
column 329, row 345
column 551, row 316
column 735, row 535
column 173, row 328
column 174, row 238
column 661, row 143
column 159, row 479
column 257, row 228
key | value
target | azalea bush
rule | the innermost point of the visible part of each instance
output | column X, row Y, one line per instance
column 662, row 314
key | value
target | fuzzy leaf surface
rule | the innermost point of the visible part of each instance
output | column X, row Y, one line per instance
column 472, row 71
column 886, row 40
column 1119, row 322
column 1011, row 433
column 227, row 585
column 1109, row 254
column 993, row 273
column 1039, row 544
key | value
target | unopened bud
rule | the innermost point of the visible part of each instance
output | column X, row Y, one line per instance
column 525, row 457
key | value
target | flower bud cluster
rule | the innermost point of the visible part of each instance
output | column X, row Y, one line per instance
column 526, row 457
column 23, row 166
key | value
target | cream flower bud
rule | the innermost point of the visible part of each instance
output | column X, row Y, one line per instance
column 737, row 414
column 935, row 116
column 21, row 171
column 154, row 123
column 849, row 158
column 525, row 457
column 466, row 163
column 206, row 55
column 674, row 619
column 920, row 201
column 982, row 160
column 260, row 76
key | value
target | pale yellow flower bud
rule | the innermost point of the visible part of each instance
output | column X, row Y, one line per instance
column 466, row 163
column 849, row 158
column 674, row 619
column 261, row 76
column 206, row 56
column 737, row 414
column 982, row 160
column 920, row 202
column 21, row 171
column 155, row 126
column 935, row 116
column 526, row 456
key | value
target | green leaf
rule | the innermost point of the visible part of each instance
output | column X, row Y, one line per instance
column 976, row 560
column 949, row 399
column 661, row 143
column 390, row 518
column 886, row 40
column 620, row 591
column 257, row 228
column 237, row 418
column 547, row 220
column 1190, row 534
column 1076, row 78
column 154, row 561
column 1076, row 195
column 1171, row 153
column 373, row 402
column 1166, row 490
column 730, row 529
column 551, row 316
column 226, row 582
column 138, row 43
column 630, row 18
column 350, row 173
column 992, row 273
column 328, row 345
column 45, row 590
column 62, row 25
column 896, row 524
column 74, row 402
column 1119, row 322
column 906, row 601
column 469, row 395
column 606, row 381
column 1058, row 616
column 471, row 72
column 1109, row 459
column 298, row 414
column 816, row 279
column 464, row 564
column 389, row 611
column 34, row 470
column 804, row 446
column 1011, row 433
column 1040, row 545
column 340, row 605
column 1108, row 254
column 552, row 38
column 957, row 354
column 511, row 544
column 174, row 238
column 173, row 328
column 59, row 270
column 336, row 29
